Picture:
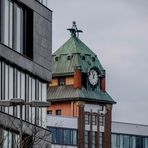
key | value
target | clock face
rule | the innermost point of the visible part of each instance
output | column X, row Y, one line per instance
column 93, row 77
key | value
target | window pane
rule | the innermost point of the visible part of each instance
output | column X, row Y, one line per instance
column 11, row 86
column 10, row 24
column 74, row 137
column 6, row 22
column 18, row 33
column 113, row 140
column 126, row 141
column 145, row 142
column 6, row 85
column 33, row 98
column 30, row 98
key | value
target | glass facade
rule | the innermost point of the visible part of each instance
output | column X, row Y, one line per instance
column 15, row 83
column 129, row 141
column 8, row 139
column 63, row 136
column 17, row 27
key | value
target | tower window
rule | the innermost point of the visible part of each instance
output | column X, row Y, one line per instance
column 58, row 112
column 49, row 112
column 62, row 81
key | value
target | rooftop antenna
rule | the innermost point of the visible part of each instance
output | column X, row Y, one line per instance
column 74, row 30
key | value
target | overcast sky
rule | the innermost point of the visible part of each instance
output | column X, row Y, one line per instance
column 117, row 31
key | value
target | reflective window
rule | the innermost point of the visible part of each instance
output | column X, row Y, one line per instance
column 86, row 138
column 129, row 141
column 16, row 84
column 15, row 32
column 63, row 136
column 93, row 139
column 100, row 140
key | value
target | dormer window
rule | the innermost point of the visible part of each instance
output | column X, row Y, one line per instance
column 61, row 81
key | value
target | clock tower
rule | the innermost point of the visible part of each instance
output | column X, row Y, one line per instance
column 78, row 95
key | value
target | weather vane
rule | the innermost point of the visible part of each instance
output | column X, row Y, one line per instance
column 74, row 31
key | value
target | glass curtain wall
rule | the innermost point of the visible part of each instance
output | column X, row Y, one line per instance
column 63, row 136
column 16, row 25
column 129, row 141
column 12, row 25
column 15, row 83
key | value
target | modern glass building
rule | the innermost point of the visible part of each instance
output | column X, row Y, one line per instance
column 127, row 135
column 25, row 64
column 124, row 135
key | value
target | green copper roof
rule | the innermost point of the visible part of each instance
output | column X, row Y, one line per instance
column 62, row 93
column 74, row 53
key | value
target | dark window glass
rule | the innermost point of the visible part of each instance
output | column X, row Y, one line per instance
column 63, row 136
column 139, row 142
column 60, row 137
column 54, row 134
column 28, row 35
column 84, row 80
column 49, row 112
column 61, row 81
column 58, row 112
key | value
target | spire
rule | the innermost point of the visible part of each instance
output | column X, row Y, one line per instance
column 74, row 31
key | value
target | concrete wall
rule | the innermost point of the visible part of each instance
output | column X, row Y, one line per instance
column 129, row 128
column 65, row 122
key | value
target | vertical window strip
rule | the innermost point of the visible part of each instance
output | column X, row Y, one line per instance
column 27, row 96
column 18, row 91
column 6, row 22
column 22, row 92
column 19, row 29
column 40, row 109
column 10, row 24
column 44, row 98
column 33, row 98
column 6, row 86
column 30, row 99
column 11, row 86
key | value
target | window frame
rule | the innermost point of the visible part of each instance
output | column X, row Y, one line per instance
column 24, row 32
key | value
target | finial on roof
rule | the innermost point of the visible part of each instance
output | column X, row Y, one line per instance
column 74, row 30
